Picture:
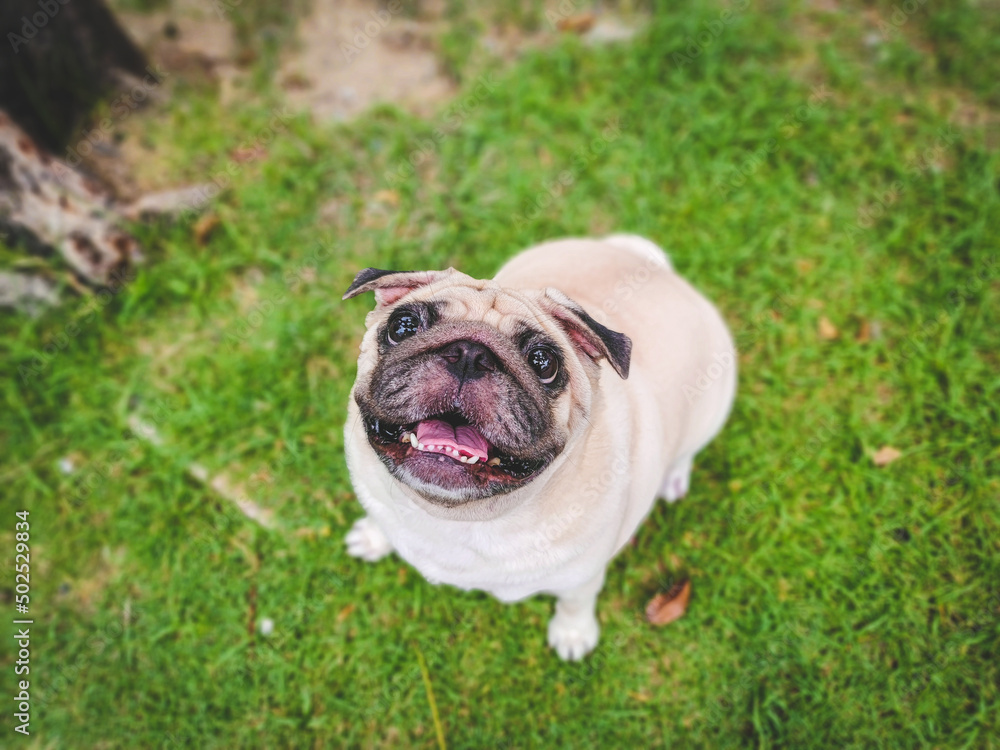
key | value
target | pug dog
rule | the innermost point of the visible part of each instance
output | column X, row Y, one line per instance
column 510, row 435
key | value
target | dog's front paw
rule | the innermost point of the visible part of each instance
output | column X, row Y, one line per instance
column 573, row 637
column 678, row 480
column 365, row 540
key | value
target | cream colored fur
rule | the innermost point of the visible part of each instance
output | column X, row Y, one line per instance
column 557, row 534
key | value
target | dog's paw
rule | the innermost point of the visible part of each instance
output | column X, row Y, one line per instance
column 573, row 637
column 678, row 481
column 366, row 541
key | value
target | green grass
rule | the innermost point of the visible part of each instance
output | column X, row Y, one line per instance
column 835, row 603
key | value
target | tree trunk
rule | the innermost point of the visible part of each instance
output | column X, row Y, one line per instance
column 57, row 59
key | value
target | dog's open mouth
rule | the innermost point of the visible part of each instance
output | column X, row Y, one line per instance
column 449, row 451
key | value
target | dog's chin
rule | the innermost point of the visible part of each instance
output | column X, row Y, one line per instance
column 449, row 470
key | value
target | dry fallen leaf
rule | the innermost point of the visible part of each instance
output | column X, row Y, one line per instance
column 886, row 455
column 345, row 613
column 243, row 154
column 204, row 227
column 864, row 332
column 389, row 197
column 296, row 81
column 827, row 330
column 579, row 24
column 666, row 607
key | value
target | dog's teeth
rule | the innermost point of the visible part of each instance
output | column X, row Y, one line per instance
column 493, row 462
column 463, row 459
column 473, row 460
column 421, row 447
column 413, row 440
column 404, row 438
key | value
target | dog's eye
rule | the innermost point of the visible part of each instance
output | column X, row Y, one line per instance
column 544, row 363
column 402, row 325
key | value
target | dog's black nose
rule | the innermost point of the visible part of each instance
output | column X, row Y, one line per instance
column 468, row 360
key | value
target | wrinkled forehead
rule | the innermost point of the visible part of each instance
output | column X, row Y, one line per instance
column 508, row 311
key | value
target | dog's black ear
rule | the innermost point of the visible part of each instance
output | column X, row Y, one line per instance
column 390, row 286
column 594, row 339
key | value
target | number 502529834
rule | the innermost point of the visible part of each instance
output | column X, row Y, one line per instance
column 22, row 562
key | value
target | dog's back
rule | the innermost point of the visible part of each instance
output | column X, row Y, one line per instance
column 683, row 357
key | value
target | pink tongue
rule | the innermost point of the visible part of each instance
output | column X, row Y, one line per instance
column 465, row 439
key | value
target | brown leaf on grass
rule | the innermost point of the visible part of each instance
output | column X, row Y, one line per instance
column 578, row 24
column 664, row 608
column 827, row 330
column 886, row 455
column 243, row 154
column 345, row 613
column 296, row 81
column 864, row 332
column 204, row 227
column 389, row 197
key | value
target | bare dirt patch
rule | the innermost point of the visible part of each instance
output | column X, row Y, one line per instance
column 354, row 54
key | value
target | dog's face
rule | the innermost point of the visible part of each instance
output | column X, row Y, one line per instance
column 468, row 390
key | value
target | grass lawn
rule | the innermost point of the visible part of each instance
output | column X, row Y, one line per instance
column 828, row 177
